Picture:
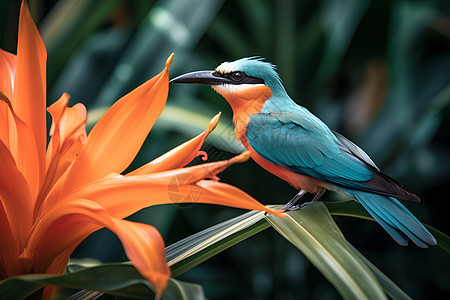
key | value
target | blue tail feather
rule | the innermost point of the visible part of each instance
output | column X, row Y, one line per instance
column 398, row 236
column 407, row 222
column 398, row 221
column 401, row 222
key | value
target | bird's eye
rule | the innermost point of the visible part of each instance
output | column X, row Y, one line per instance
column 237, row 76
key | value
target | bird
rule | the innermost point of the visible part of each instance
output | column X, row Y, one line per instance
column 290, row 142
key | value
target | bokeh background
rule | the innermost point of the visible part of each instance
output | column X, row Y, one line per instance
column 376, row 71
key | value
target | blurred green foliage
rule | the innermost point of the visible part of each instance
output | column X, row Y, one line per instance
column 376, row 71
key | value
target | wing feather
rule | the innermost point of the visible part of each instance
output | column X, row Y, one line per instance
column 306, row 146
column 349, row 146
column 279, row 138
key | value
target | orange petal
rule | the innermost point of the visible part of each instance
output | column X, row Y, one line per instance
column 5, row 119
column 179, row 156
column 7, row 70
column 194, row 174
column 15, row 198
column 169, row 187
column 28, row 100
column 144, row 247
column 117, row 137
column 68, row 223
column 68, row 134
column 58, row 266
column 10, row 264
column 22, row 147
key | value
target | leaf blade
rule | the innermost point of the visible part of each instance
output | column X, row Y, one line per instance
column 195, row 249
column 389, row 286
column 120, row 279
column 313, row 231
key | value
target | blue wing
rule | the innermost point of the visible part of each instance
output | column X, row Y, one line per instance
column 302, row 143
column 305, row 145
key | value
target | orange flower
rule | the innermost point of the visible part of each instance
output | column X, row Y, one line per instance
column 53, row 197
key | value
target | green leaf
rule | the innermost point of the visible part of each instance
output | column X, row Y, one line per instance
column 313, row 231
column 442, row 238
column 340, row 20
column 177, row 290
column 348, row 208
column 201, row 246
column 170, row 26
column 68, row 25
column 195, row 249
column 120, row 280
column 389, row 286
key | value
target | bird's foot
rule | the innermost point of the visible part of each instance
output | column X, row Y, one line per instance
column 299, row 206
column 316, row 198
column 294, row 200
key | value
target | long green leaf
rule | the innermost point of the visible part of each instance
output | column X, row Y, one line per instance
column 348, row 208
column 199, row 247
column 193, row 250
column 121, row 280
column 442, row 238
column 313, row 231
column 68, row 25
column 340, row 20
column 389, row 286
column 165, row 29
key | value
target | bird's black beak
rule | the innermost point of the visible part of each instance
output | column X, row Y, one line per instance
column 201, row 77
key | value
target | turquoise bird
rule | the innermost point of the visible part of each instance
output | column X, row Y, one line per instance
column 289, row 141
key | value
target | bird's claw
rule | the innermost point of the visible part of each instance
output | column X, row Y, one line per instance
column 293, row 201
column 291, row 205
column 297, row 206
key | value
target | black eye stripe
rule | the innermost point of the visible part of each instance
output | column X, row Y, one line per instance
column 239, row 77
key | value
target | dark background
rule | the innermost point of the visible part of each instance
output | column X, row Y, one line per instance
column 376, row 71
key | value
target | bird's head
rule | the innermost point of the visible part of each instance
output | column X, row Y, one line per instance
column 245, row 83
